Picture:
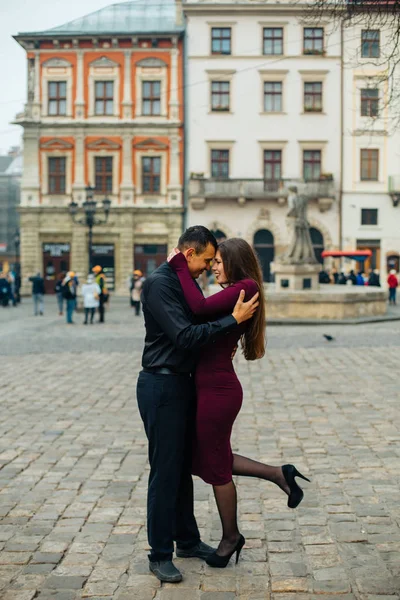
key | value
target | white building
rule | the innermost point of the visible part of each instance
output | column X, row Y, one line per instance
column 264, row 114
column 371, row 149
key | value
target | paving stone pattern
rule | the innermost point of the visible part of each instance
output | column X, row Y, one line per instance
column 73, row 466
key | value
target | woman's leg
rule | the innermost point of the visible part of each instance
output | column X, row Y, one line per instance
column 252, row 468
column 92, row 310
column 225, row 496
column 86, row 316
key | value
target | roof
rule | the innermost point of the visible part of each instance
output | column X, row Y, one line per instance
column 5, row 162
column 16, row 165
column 137, row 16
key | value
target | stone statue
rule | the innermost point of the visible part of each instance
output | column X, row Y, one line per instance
column 300, row 250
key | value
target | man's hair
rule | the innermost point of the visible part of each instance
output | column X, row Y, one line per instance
column 197, row 237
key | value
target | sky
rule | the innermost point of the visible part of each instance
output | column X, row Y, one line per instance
column 28, row 15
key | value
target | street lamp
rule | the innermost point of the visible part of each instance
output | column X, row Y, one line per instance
column 89, row 219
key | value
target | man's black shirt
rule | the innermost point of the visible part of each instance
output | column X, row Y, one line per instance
column 172, row 338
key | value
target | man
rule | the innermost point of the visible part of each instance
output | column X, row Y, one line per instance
column 101, row 282
column 37, row 293
column 166, row 399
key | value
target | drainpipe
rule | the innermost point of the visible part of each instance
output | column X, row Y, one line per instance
column 185, row 130
column 341, row 137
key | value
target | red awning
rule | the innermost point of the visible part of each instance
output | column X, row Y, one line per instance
column 353, row 254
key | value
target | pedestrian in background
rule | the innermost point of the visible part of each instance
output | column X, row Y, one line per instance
column 69, row 293
column 393, row 283
column 101, row 282
column 352, row 277
column 5, row 289
column 136, row 290
column 37, row 293
column 59, row 293
column 374, row 279
column 91, row 298
column 11, row 280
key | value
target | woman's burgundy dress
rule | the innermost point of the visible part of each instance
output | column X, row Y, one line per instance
column 219, row 393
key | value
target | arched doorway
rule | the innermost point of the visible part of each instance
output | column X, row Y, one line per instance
column 317, row 240
column 219, row 235
column 264, row 246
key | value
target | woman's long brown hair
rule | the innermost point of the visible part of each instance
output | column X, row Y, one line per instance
column 241, row 262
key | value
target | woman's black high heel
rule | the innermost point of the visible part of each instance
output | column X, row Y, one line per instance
column 296, row 493
column 220, row 562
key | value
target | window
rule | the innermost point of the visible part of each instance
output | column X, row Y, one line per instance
column 151, row 97
column 311, row 165
column 104, row 97
column 57, row 175
column 57, row 98
column 220, row 164
column 369, row 216
column 151, row 170
column 273, row 40
column 220, row 95
column 272, row 169
column 312, row 97
column 369, row 165
column 370, row 41
column 313, row 42
column 370, row 102
column 273, row 96
column 221, row 40
column 103, row 174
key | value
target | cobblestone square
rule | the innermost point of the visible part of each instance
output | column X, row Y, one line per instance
column 73, row 465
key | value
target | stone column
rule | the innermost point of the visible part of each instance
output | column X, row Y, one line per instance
column 30, row 184
column 30, row 249
column 78, row 186
column 79, row 252
column 127, row 187
column 125, row 253
column 174, row 97
column 175, row 227
column 79, row 100
column 175, row 186
column 36, row 89
column 127, row 102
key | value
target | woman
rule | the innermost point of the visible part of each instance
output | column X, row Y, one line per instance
column 219, row 393
column 136, row 290
column 69, row 294
column 91, row 295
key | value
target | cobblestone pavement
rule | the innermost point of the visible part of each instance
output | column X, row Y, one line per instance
column 73, row 473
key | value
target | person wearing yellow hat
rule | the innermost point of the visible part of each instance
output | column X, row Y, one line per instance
column 136, row 290
column 103, row 296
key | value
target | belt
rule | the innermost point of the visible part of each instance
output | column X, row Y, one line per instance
column 165, row 371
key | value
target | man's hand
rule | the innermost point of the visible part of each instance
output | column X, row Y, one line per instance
column 243, row 311
column 174, row 252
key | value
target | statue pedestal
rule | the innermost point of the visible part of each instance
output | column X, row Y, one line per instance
column 296, row 277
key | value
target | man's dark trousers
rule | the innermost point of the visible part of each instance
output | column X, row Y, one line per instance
column 167, row 407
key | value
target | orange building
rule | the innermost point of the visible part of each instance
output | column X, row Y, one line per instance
column 104, row 109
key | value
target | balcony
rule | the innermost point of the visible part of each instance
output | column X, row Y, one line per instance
column 241, row 190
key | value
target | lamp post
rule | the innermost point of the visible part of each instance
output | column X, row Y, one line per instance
column 89, row 219
column 17, row 282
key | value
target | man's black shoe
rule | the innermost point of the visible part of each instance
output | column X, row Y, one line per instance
column 166, row 571
column 200, row 550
